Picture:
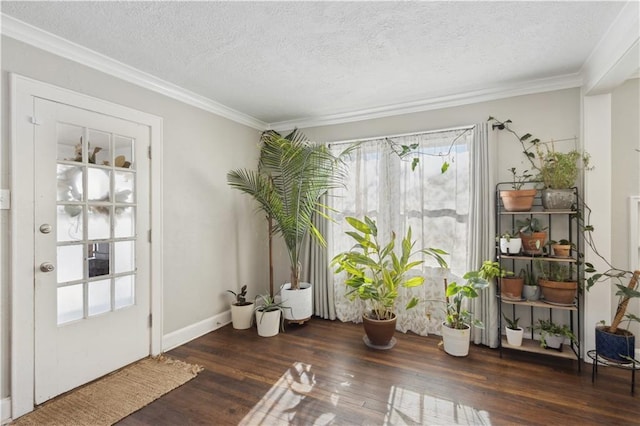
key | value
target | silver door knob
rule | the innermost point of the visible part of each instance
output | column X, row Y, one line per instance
column 45, row 228
column 47, row 267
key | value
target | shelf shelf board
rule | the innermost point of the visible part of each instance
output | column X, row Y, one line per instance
column 543, row 258
column 536, row 211
column 539, row 304
column 533, row 346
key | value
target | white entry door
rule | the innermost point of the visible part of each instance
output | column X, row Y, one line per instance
column 92, row 285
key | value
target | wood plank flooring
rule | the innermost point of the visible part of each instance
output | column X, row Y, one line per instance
column 322, row 373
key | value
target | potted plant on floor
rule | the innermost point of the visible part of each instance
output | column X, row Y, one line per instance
column 514, row 331
column 375, row 273
column 518, row 199
column 269, row 315
column 293, row 173
column 456, row 329
column 241, row 309
column 552, row 335
column 533, row 234
column 557, row 282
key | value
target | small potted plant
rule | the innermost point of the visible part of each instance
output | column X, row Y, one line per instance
column 533, row 234
column 518, row 199
column 514, row 331
column 530, row 290
column 269, row 315
column 510, row 243
column 556, row 282
column 241, row 309
column 511, row 286
column 456, row 329
column 561, row 248
column 552, row 335
column 375, row 273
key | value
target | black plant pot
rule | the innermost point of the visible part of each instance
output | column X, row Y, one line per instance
column 614, row 347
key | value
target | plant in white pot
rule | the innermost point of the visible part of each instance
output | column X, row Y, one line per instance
column 241, row 309
column 514, row 331
column 552, row 335
column 375, row 273
column 269, row 315
column 293, row 173
column 510, row 243
column 456, row 329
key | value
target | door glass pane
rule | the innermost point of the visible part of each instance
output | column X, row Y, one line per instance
column 124, row 292
column 69, row 183
column 99, row 222
column 99, row 150
column 123, row 152
column 69, row 223
column 98, row 256
column 124, row 222
column 124, row 187
column 99, row 297
column 70, row 260
column 98, row 184
column 124, row 256
column 70, row 302
column 70, row 142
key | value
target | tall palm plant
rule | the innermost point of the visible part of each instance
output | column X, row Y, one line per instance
column 292, row 175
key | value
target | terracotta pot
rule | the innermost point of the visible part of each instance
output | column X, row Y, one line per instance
column 558, row 292
column 533, row 243
column 511, row 288
column 520, row 200
column 561, row 250
column 379, row 332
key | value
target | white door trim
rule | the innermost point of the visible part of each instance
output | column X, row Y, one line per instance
column 22, row 90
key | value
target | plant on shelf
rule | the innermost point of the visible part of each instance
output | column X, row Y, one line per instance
column 510, row 242
column 530, row 290
column 241, row 309
column 518, row 199
column 375, row 273
column 456, row 328
column 553, row 335
column 514, row 331
column 561, row 248
column 533, row 235
column 557, row 282
column 269, row 315
column 293, row 173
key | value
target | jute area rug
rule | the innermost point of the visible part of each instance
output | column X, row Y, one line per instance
column 115, row 396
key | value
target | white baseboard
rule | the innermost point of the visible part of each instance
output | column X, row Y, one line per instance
column 5, row 410
column 186, row 334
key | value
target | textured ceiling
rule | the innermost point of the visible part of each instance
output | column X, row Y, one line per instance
column 279, row 61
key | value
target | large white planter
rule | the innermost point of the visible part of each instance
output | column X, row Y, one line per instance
column 268, row 323
column 241, row 316
column 298, row 303
column 456, row 342
column 514, row 337
column 512, row 245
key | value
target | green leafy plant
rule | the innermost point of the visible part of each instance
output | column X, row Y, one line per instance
column 529, row 226
column 549, row 328
column 375, row 272
column 293, row 173
column 267, row 303
column 491, row 269
column 457, row 315
column 554, row 271
column 511, row 323
column 518, row 181
column 560, row 170
column 241, row 296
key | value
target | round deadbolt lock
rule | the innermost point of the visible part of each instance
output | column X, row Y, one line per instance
column 47, row 267
column 45, row 228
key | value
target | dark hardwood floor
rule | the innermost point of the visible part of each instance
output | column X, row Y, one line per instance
column 322, row 373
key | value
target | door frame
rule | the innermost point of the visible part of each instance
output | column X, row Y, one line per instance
column 21, row 244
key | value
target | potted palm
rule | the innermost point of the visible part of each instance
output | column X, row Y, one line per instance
column 293, row 173
column 514, row 331
column 241, row 309
column 456, row 329
column 375, row 273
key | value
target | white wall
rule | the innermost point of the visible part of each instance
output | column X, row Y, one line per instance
column 625, row 129
column 213, row 240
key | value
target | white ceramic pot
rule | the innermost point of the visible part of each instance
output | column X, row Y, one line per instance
column 456, row 342
column 510, row 246
column 241, row 316
column 298, row 303
column 268, row 323
column 554, row 341
column 531, row 292
column 514, row 337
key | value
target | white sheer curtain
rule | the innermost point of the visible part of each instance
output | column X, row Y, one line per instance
column 434, row 204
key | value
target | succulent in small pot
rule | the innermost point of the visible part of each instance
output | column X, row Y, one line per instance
column 514, row 331
column 269, row 315
column 530, row 290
